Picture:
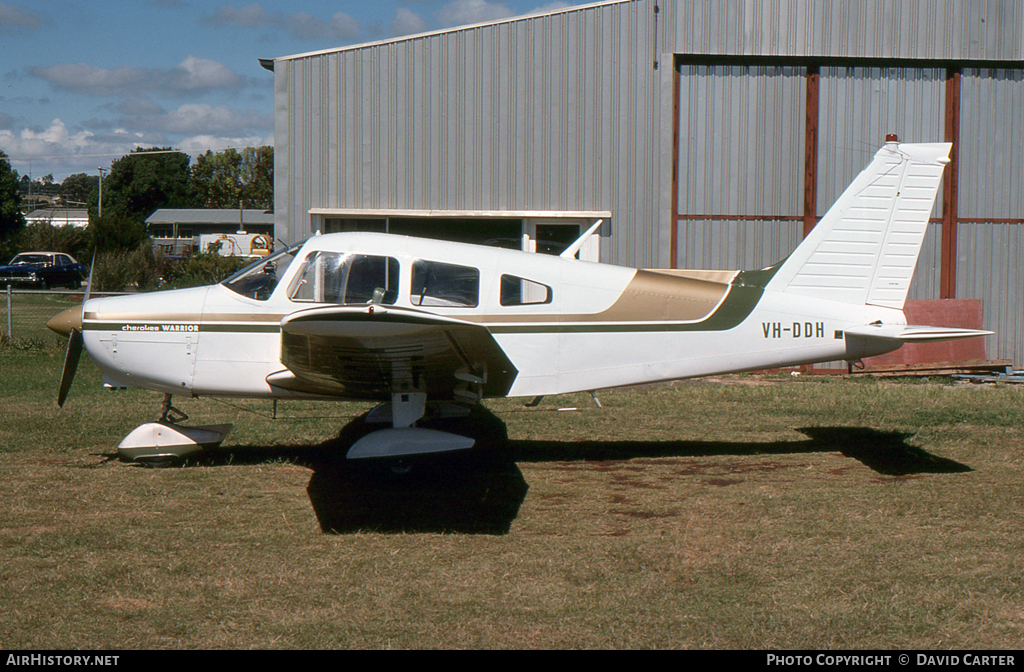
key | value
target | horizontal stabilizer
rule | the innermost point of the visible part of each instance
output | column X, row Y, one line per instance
column 913, row 333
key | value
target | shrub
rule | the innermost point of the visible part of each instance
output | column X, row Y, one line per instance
column 45, row 237
column 200, row 269
column 120, row 270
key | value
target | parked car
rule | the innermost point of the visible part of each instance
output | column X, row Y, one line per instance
column 43, row 270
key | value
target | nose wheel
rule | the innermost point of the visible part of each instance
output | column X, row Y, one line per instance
column 165, row 441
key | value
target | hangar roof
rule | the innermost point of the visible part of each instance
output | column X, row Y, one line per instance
column 268, row 63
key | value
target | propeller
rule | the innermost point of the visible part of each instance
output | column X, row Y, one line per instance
column 69, row 323
column 75, row 342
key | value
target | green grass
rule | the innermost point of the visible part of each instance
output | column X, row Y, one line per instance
column 29, row 313
column 693, row 515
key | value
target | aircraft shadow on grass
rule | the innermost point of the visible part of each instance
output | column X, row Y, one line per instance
column 480, row 491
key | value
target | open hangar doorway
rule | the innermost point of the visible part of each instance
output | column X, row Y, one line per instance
column 539, row 232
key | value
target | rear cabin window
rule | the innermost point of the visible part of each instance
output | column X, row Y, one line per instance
column 439, row 284
column 516, row 291
column 332, row 277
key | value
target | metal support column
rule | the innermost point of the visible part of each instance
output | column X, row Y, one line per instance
column 811, row 149
column 950, row 188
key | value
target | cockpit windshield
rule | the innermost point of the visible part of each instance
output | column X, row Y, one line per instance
column 258, row 279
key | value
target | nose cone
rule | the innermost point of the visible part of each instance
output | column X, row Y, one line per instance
column 67, row 320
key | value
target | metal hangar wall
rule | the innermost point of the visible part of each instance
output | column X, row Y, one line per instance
column 706, row 133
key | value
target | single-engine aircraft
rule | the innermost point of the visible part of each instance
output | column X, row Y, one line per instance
column 404, row 321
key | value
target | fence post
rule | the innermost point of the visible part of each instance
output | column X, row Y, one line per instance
column 10, row 336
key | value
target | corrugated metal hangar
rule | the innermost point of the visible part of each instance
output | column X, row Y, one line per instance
column 706, row 133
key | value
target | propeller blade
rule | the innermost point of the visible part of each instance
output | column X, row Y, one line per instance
column 88, row 283
column 75, row 342
column 70, row 322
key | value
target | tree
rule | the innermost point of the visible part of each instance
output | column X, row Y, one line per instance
column 45, row 236
column 229, row 178
column 11, row 219
column 258, row 177
column 145, row 180
column 79, row 187
column 116, row 231
column 216, row 179
column 138, row 184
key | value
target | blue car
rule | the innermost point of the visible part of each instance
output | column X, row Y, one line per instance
column 43, row 270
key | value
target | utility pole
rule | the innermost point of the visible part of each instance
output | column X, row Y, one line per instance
column 99, row 212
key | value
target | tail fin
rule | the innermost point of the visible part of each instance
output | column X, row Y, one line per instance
column 865, row 248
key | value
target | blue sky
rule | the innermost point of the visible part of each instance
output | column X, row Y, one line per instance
column 83, row 82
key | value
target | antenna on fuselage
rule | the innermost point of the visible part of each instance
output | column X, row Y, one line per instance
column 570, row 252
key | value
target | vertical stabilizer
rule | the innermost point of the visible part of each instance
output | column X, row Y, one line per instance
column 865, row 248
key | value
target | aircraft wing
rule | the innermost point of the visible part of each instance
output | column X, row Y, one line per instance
column 370, row 352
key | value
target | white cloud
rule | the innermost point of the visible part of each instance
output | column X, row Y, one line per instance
column 191, row 76
column 550, row 7
column 198, row 144
column 192, row 128
column 93, row 80
column 344, row 26
column 407, row 22
column 136, row 106
column 302, row 25
column 461, row 12
column 57, row 150
column 250, row 16
column 196, row 119
column 195, row 73
column 16, row 20
column 309, row 27
column 54, row 139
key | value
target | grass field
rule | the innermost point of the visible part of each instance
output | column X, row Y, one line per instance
column 29, row 311
column 747, row 512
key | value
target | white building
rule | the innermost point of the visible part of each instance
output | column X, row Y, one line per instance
column 78, row 217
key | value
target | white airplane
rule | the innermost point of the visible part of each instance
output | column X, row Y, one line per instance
column 404, row 321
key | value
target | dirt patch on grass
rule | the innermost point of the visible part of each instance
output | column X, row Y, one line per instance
column 49, row 461
column 717, row 468
column 641, row 514
column 723, row 482
column 898, row 479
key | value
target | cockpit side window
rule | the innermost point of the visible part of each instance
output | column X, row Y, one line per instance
column 333, row 277
column 516, row 291
column 438, row 284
